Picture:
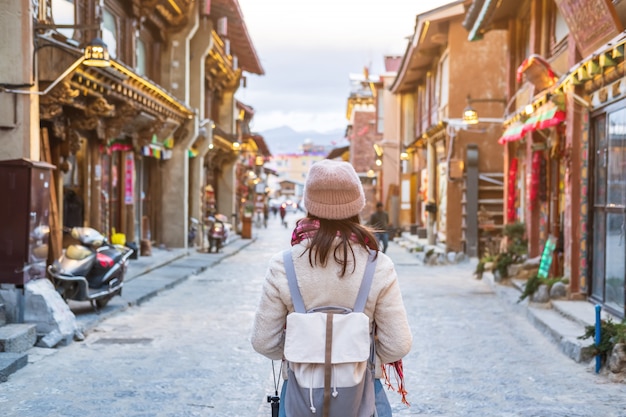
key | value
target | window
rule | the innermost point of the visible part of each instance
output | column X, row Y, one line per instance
column 63, row 13
column 560, row 27
column 140, row 52
column 110, row 32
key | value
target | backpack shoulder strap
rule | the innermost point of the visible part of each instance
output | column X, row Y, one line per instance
column 366, row 283
column 296, row 296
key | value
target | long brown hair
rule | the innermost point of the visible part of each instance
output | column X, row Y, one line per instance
column 350, row 231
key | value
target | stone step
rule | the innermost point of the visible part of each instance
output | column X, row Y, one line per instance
column 562, row 331
column 3, row 315
column 17, row 337
column 11, row 362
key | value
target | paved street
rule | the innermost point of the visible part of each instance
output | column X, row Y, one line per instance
column 186, row 352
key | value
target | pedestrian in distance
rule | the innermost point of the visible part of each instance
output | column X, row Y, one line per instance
column 283, row 213
column 331, row 253
column 379, row 220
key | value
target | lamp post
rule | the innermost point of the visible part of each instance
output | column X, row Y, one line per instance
column 470, row 118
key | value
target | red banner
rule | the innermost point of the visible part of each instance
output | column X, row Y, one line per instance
column 129, row 168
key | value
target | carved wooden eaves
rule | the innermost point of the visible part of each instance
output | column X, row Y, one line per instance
column 167, row 15
column 51, row 104
column 124, row 115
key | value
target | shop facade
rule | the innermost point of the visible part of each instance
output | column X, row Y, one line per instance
column 563, row 146
column 441, row 75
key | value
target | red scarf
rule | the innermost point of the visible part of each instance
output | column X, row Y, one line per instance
column 306, row 229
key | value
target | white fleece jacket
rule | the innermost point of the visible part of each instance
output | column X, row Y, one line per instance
column 322, row 286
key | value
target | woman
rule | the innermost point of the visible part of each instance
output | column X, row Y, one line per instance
column 330, row 249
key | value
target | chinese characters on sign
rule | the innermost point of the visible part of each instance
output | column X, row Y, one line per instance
column 129, row 169
column 592, row 22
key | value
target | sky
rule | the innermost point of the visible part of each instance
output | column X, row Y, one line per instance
column 308, row 49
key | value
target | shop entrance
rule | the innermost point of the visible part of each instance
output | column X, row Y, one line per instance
column 609, row 209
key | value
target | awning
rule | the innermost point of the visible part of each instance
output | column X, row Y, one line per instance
column 512, row 133
column 545, row 117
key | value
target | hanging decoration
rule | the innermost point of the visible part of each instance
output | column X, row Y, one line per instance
column 510, row 208
column 116, row 145
column 537, row 71
column 156, row 151
column 168, row 143
column 535, row 178
column 543, row 179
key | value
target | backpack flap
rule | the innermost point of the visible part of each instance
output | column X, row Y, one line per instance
column 305, row 338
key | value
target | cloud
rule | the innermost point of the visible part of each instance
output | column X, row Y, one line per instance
column 309, row 48
column 300, row 120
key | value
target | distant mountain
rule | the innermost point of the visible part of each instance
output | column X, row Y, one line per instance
column 284, row 140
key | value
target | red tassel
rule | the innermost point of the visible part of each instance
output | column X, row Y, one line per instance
column 399, row 377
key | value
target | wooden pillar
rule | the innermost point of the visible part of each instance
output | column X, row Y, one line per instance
column 91, row 186
column 572, row 183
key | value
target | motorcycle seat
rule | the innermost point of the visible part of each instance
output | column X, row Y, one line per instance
column 77, row 252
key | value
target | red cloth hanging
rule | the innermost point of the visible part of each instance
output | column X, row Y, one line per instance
column 535, row 177
column 510, row 208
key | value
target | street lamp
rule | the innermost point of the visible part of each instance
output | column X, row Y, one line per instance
column 95, row 54
column 470, row 115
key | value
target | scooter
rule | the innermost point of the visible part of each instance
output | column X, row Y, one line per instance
column 92, row 270
column 217, row 233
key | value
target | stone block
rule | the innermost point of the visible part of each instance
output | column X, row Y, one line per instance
column 532, row 263
column 54, row 339
column 3, row 315
column 46, row 309
column 17, row 338
column 541, row 295
column 558, row 290
column 11, row 362
column 513, row 270
column 460, row 257
column 9, row 298
column 617, row 359
column 451, row 257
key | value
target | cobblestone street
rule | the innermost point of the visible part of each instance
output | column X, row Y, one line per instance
column 186, row 352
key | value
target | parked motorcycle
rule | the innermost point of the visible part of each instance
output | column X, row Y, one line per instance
column 217, row 232
column 92, row 270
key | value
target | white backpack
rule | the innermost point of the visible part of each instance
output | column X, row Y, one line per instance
column 330, row 354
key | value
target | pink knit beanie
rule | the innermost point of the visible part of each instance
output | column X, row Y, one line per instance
column 333, row 190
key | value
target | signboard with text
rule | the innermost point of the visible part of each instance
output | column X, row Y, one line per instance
column 129, row 169
column 592, row 22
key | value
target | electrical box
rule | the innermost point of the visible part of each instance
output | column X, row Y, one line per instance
column 24, row 220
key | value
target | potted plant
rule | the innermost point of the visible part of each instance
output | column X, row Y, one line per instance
column 248, row 209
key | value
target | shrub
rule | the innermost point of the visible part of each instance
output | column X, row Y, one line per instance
column 535, row 282
column 611, row 334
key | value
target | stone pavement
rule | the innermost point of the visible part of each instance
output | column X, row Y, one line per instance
column 563, row 323
column 149, row 275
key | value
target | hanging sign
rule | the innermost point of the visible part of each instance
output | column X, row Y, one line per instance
column 546, row 257
column 592, row 22
column 129, row 170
